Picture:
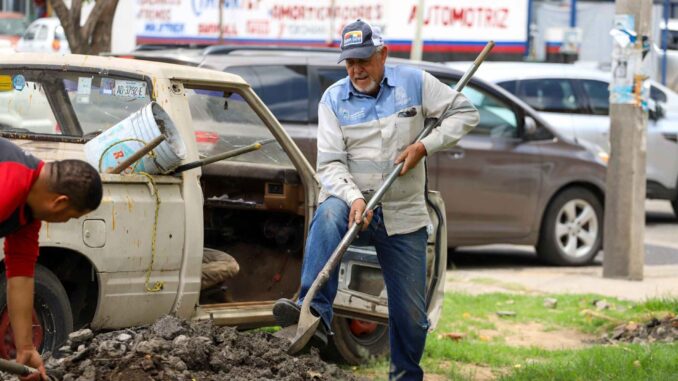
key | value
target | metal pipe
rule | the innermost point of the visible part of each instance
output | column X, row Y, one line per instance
column 573, row 13
column 138, row 155
column 665, row 38
column 222, row 156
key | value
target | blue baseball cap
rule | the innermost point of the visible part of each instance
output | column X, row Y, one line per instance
column 359, row 40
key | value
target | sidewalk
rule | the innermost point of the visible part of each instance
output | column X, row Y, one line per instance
column 659, row 281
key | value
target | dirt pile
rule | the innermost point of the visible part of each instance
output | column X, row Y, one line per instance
column 172, row 349
column 655, row 330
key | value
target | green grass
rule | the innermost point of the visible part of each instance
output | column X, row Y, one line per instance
column 468, row 314
column 629, row 362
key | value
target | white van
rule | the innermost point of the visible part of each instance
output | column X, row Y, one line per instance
column 45, row 35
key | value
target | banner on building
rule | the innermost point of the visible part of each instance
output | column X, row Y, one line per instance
column 458, row 26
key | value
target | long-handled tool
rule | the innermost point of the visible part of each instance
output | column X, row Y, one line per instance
column 222, row 156
column 308, row 323
column 138, row 155
column 19, row 369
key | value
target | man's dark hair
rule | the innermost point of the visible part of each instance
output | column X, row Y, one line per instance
column 78, row 180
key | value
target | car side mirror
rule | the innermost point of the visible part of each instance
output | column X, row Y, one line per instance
column 657, row 112
column 530, row 126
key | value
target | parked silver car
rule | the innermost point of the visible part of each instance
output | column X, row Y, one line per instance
column 574, row 99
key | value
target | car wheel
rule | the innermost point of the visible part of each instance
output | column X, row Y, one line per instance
column 356, row 341
column 572, row 229
column 52, row 316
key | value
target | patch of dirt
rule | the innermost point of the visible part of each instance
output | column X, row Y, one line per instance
column 468, row 371
column 176, row 350
column 535, row 335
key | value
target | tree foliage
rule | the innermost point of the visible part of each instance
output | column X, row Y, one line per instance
column 94, row 35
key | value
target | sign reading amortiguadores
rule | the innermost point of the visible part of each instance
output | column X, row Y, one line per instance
column 449, row 26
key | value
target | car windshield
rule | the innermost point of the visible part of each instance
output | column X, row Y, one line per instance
column 67, row 103
column 12, row 27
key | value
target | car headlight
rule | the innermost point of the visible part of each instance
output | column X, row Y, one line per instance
column 603, row 156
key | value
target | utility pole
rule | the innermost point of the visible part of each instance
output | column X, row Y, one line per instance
column 625, row 194
column 416, row 53
column 221, row 22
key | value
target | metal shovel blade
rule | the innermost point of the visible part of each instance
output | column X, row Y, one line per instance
column 308, row 323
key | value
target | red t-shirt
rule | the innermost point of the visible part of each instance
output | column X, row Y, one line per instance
column 18, row 172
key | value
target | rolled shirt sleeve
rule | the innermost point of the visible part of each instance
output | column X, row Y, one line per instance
column 463, row 115
column 332, row 164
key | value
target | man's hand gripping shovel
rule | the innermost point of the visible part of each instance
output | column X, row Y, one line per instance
column 308, row 322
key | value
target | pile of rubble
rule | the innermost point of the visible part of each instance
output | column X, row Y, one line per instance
column 172, row 349
column 663, row 330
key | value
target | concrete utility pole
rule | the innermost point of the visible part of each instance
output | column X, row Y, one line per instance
column 221, row 22
column 625, row 195
column 417, row 43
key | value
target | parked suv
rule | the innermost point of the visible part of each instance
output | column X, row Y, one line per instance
column 575, row 101
column 138, row 257
column 511, row 180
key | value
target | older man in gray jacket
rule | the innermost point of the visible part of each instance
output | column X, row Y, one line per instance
column 366, row 125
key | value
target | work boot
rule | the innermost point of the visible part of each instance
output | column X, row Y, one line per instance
column 286, row 313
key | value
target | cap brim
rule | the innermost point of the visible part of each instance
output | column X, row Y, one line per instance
column 359, row 53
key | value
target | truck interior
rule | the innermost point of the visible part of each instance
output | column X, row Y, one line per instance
column 253, row 203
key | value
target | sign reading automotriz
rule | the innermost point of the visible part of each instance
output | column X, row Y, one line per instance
column 459, row 26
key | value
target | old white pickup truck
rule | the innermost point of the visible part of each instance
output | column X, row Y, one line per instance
column 117, row 267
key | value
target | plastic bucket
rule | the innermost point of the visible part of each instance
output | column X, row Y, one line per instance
column 119, row 142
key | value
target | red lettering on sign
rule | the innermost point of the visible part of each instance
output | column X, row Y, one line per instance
column 118, row 155
column 468, row 17
column 301, row 12
column 229, row 29
column 258, row 27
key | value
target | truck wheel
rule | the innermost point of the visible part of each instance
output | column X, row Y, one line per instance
column 572, row 230
column 356, row 341
column 52, row 316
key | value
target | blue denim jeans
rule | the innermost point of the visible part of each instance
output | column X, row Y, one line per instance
column 402, row 258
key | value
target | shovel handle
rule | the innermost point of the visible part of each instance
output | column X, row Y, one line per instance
column 138, row 155
column 306, row 318
column 16, row 368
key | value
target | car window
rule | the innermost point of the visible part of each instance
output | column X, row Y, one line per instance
column 31, row 32
column 59, row 33
column 326, row 77
column 12, row 27
column 497, row 117
column 658, row 95
column 598, row 93
column 224, row 121
column 87, row 103
column 26, row 108
column 509, row 86
column 42, row 33
column 551, row 95
column 283, row 88
column 101, row 102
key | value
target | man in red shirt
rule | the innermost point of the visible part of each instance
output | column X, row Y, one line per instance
column 32, row 191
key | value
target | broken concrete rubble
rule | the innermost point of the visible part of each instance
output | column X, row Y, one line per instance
column 655, row 330
column 172, row 349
